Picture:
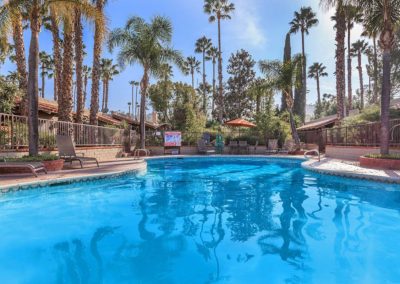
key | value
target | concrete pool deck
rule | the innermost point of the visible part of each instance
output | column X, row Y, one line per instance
column 106, row 169
column 351, row 169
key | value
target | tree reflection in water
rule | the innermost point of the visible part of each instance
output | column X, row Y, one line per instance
column 199, row 220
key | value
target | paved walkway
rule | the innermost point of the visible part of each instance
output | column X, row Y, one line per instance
column 118, row 167
column 351, row 169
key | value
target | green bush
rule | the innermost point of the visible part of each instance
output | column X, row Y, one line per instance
column 38, row 158
column 380, row 156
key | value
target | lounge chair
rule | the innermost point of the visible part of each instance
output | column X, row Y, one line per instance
column 288, row 147
column 202, row 148
column 243, row 146
column 33, row 167
column 272, row 147
column 233, row 146
column 66, row 151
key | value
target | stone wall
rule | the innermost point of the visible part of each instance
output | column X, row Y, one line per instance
column 351, row 153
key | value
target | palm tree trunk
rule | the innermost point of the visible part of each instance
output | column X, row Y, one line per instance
column 318, row 91
column 33, row 77
column 85, row 81
column 375, row 97
column 220, row 78
column 43, row 83
column 79, row 65
column 18, row 38
column 98, row 35
column 361, row 79
column 340, row 62
column 65, row 109
column 385, row 102
column 143, row 89
column 214, row 87
column 106, row 105
column 103, row 101
column 192, row 72
column 56, row 55
column 349, row 70
column 204, row 84
column 304, row 79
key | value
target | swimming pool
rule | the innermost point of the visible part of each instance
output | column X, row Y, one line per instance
column 203, row 220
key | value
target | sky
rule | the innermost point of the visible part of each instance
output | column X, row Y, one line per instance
column 258, row 26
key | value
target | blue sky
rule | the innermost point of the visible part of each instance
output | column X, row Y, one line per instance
column 258, row 26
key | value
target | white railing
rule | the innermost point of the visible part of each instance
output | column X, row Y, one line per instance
column 14, row 133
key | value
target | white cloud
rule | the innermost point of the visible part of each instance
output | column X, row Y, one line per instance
column 246, row 27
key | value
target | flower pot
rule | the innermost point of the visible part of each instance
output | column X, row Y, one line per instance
column 376, row 163
column 55, row 165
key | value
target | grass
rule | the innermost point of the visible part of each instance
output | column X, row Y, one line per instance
column 387, row 156
column 38, row 158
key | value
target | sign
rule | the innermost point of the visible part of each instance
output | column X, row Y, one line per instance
column 172, row 139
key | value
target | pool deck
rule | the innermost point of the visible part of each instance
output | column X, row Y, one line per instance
column 89, row 172
column 351, row 169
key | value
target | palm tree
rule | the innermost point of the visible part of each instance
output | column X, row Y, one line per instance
column 165, row 75
column 316, row 71
column 134, row 101
column 219, row 10
column 303, row 21
column 282, row 76
column 372, row 33
column 192, row 65
column 86, row 71
column 108, row 71
column 203, row 45
column 213, row 54
column 383, row 16
column 353, row 15
column 46, row 66
column 340, row 19
column 79, row 50
column 99, row 32
column 358, row 48
column 149, row 45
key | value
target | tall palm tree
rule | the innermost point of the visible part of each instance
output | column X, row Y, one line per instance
column 108, row 71
column 302, row 22
column 203, row 45
column 147, row 44
column 165, row 75
column 79, row 50
column 372, row 33
column 359, row 48
column 46, row 66
column 353, row 15
column 219, row 10
column 340, row 19
column 99, row 32
column 282, row 76
column 384, row 16
column 213, row 54
column 316, row 71
column 86, row 71
column 192, row 66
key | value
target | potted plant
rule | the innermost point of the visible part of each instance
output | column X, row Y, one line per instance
column 51, row 162
column 378, row 161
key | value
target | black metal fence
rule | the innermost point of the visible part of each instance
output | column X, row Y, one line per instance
column 14, row 133
column 367, row 134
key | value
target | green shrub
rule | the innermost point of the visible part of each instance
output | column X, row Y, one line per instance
column 380, row 156
column 38, row 158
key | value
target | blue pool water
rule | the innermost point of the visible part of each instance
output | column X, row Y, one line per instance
column 204, row 220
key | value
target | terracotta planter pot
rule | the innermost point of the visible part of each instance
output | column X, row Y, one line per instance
column 385, row 164
column 52, row 166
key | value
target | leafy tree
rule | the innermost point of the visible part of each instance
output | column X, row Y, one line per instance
column 147, row 44
column 9, row 91
column 219, row 10
column 241, row 70
column 302, row 22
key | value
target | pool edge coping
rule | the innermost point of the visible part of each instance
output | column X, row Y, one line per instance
column 42, row 183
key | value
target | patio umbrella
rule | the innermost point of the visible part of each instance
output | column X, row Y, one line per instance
column 240, row 122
